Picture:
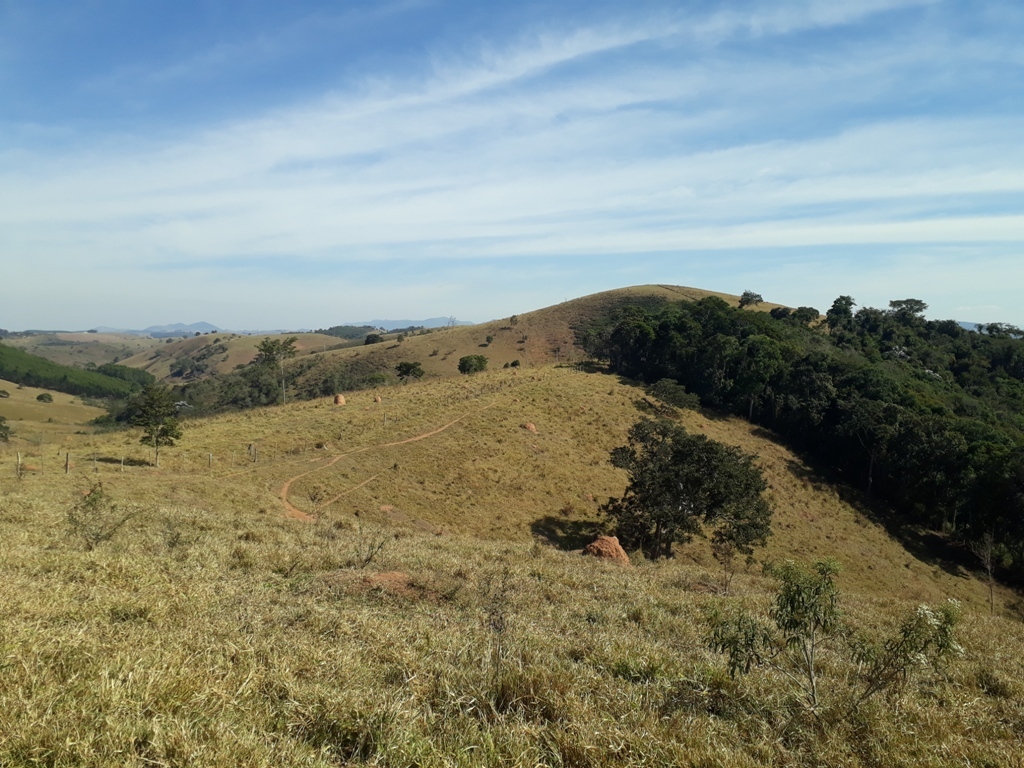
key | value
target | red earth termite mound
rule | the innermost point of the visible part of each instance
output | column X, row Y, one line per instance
column 607, row 548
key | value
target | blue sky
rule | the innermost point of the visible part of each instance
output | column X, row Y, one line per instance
column 270, row 164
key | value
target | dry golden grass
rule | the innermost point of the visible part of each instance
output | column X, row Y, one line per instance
column 35, row 424
column 480, row 473
column 247, row 639
column 213, row 630
column 539, row 337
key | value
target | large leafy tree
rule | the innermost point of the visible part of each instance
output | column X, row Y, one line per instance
column 681, row 484
column 840, row 314
column 409, row 370
column 155, row 411
column 750, row 299
column 271, row 353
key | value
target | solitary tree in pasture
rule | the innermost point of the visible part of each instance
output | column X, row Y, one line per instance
column 679, row 484
column 272, row 353
column 156, row 413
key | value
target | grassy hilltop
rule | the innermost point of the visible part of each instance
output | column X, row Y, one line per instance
column 537, row 337
column 404, row 591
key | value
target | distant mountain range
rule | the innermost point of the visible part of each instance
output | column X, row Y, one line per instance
column 163, row 331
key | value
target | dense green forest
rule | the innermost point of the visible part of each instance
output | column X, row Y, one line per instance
column 33, row 371
column 925, row 417
column 132, row 375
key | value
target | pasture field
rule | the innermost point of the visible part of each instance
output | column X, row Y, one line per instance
column 34, row 423
column 397, row 583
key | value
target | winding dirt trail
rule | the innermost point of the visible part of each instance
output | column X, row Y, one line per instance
column 292, row 511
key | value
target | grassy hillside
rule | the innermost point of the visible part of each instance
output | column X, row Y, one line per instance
column 80, row 349
column 35, row 423
column 217, row 353
column 221, row 625
column 535, row 338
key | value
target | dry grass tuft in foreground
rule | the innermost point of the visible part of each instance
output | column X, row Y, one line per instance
column 256, row 640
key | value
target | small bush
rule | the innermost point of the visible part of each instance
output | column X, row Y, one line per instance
column 472, row 364
column 806, row 621
column 96, row 518
column 4, row 393
column 366, row 544
column 45, row 397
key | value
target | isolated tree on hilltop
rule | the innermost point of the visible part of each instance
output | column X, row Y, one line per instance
column 155, row 412
column 750, row 299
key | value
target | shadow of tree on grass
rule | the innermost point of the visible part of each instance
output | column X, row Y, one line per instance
column 565, row 533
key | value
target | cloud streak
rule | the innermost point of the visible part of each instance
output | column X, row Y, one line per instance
column 670, row 136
